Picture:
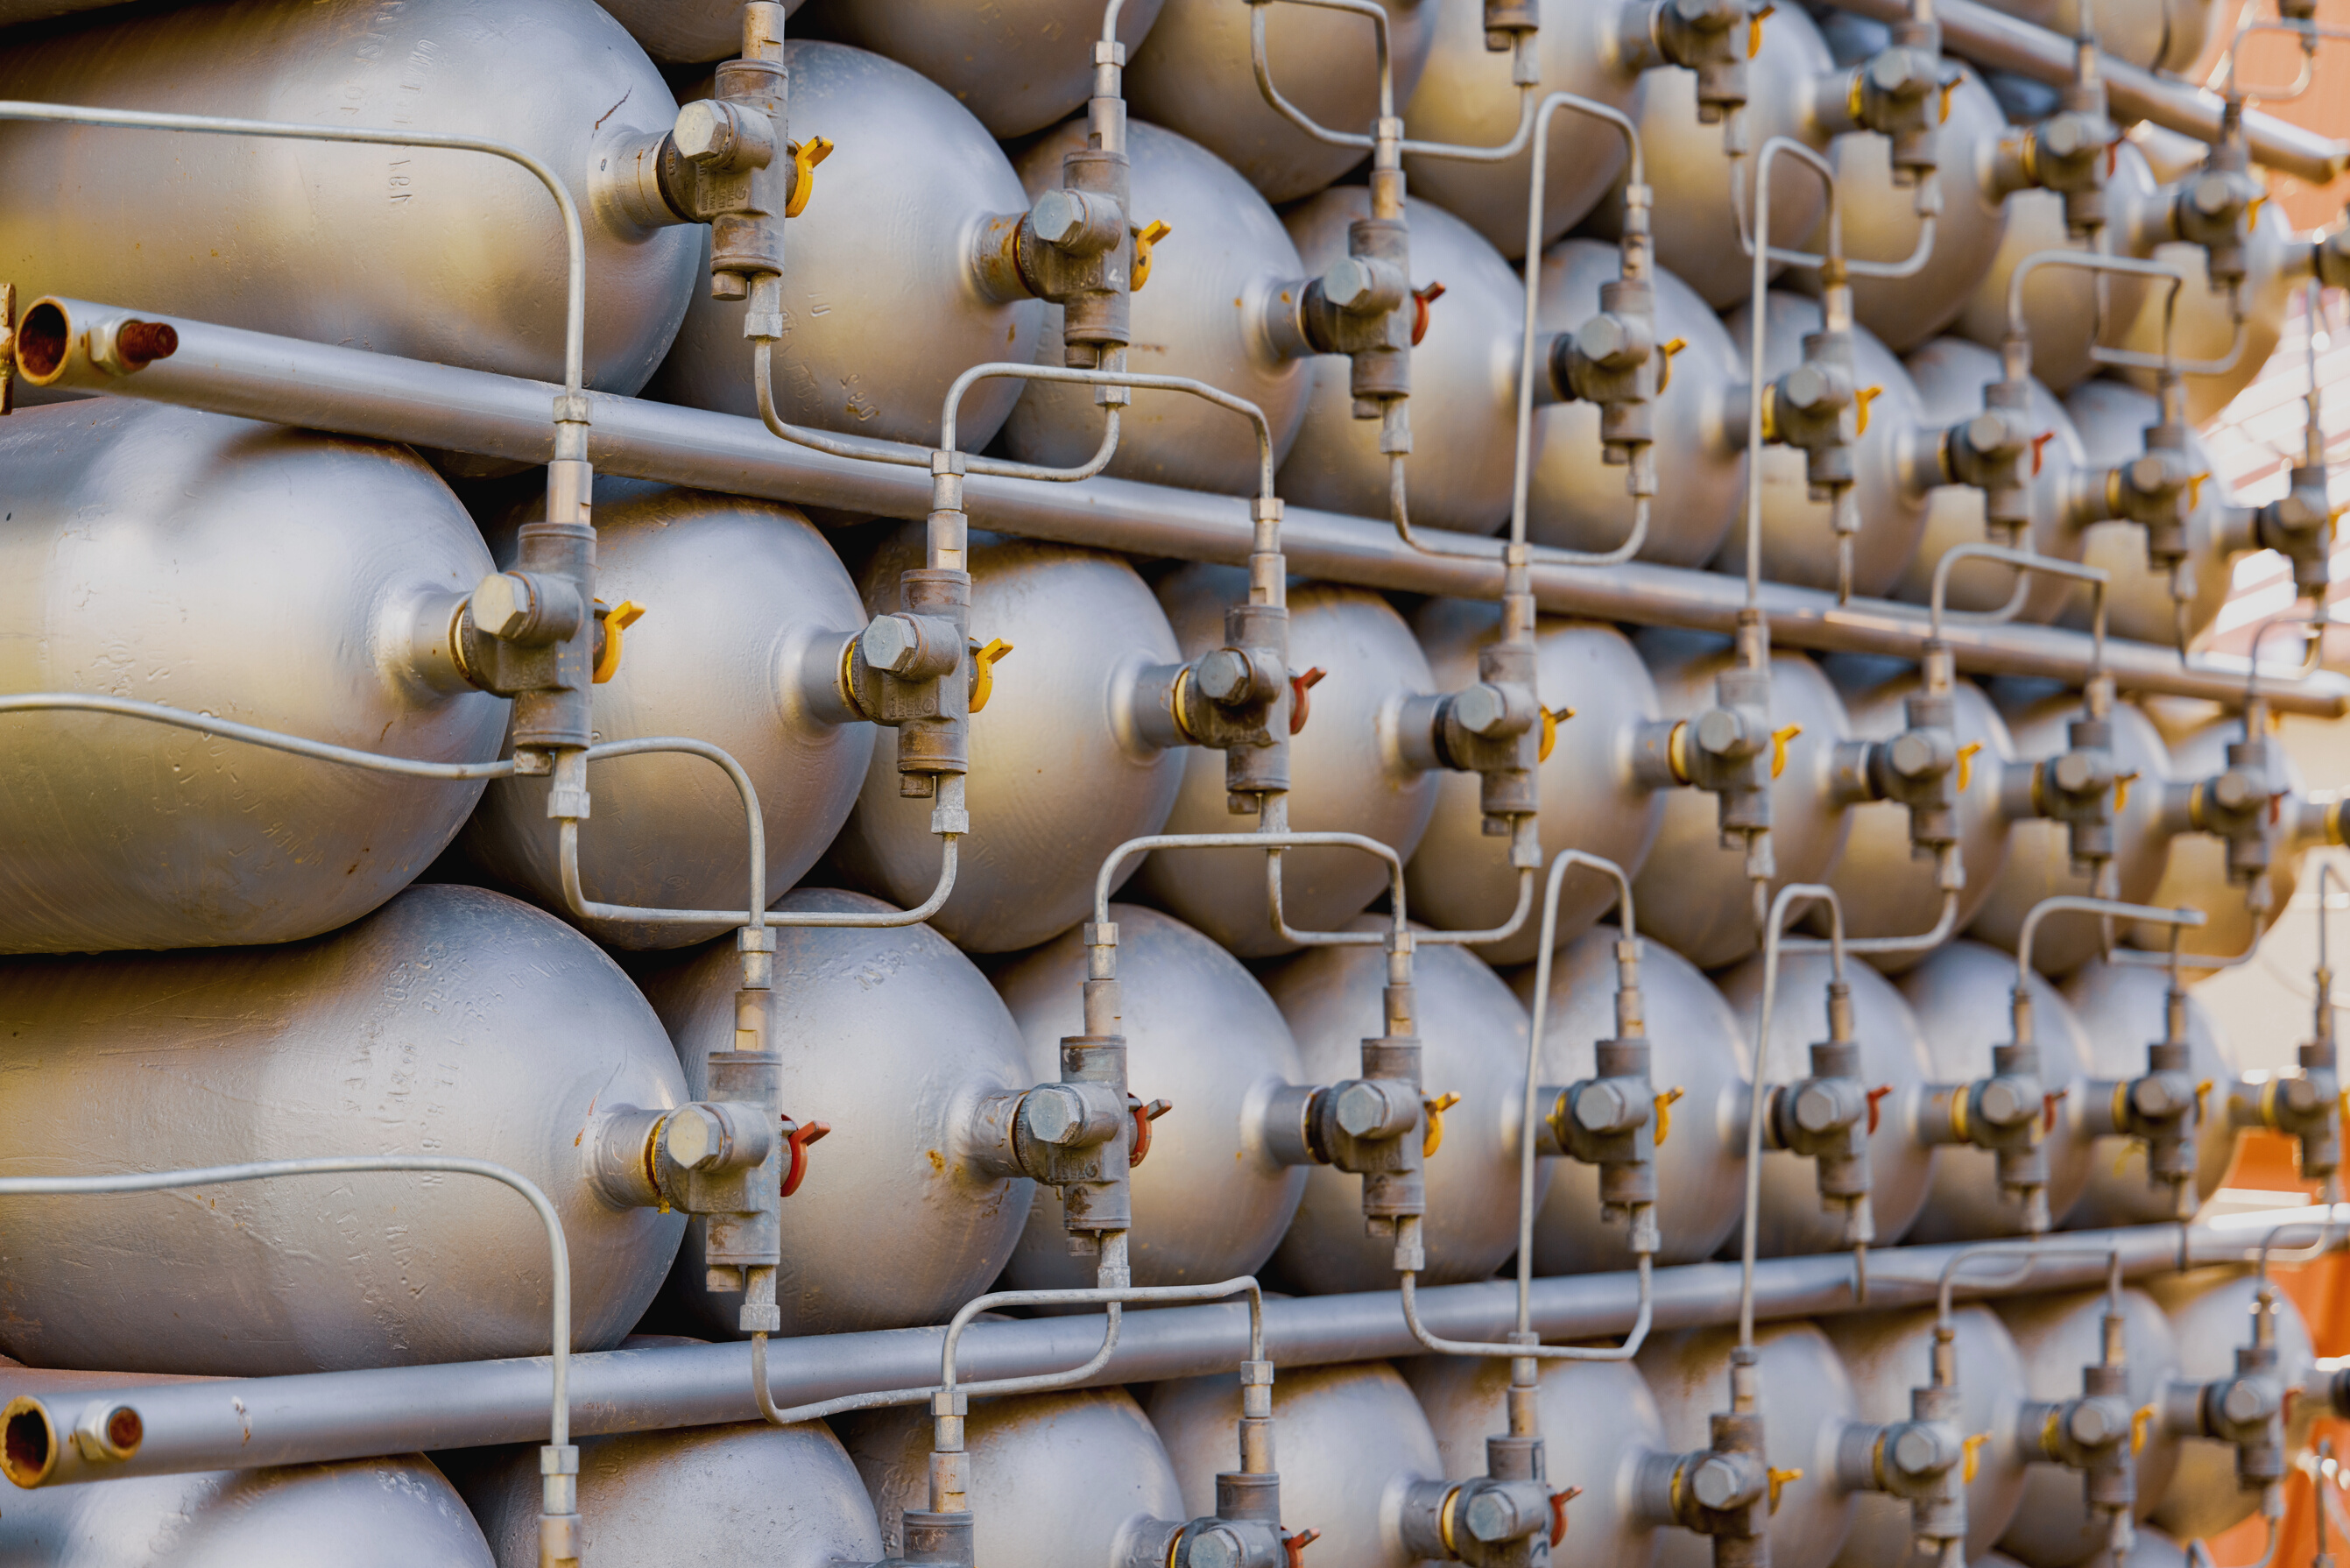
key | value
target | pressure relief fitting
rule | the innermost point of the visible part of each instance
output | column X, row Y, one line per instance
column 1613, row 361
column 1918, row 769
column 2008, row 1114
column 1245, row 1531
column 2245, row 1409
column 1925, row 1461
column 2160, row 1108
column 1726, row 1491
column 1827, row 1118
column 2097, row 1434
column 1611, row 1120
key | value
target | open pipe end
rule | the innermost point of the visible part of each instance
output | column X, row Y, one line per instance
column 28, row 1442
column 41, row 339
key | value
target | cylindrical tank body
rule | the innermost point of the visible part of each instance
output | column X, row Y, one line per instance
column 893, row 1037
column 2112, row 418
column 1211, row 1201
column 1886, row 1355
column 1058, row 1481
column 742, row 598
column 1886, row 891
column 2210, row 1313
column 1693, row 893
column 1464, row 375
column 781, row 1495
column 2058, row 1336
column 1807, row 1402
column 1578, row 500
column 2039, row 857
column 1696, row 1046
column 1961, row 998
column 1059, row 777
column 882, row 309
column 1599, row 1423
column 1018, row 67
column 2195, row 874
column 1206, row 311
column 689, row 31
column 1950, row 374
column 2205, row 327
column 455, row 257
column 134, row 536
column 1347, row 772
column 1460, row 880
column 1799, row 537
column 1195, row 75
column 2121, row 1008
column 1350, row 1439
column 1473, row 1038
column 450, row 1021
column 1893, row 1054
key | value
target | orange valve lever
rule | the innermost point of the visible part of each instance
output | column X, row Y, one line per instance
column 1301, row 706
column 1295, row 1545
column 797, row 1139
column 1144, row 1112
column 1558, row 1502
column 2039, row 445
column 1875, row 1095
column 1144, row 238
column 1421, row 298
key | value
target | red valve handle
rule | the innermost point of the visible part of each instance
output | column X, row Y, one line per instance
column 1144, row 1112
column 1875, row 1095
column 2040, row 444
column 802, row 1135
column 1421, row 298
column 1295, row 1545
column 1300, row 704
column 2048, row 1111
column 1558, row 1502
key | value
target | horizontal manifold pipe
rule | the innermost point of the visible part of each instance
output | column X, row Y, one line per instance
column 352, row 392
column 239, row 1423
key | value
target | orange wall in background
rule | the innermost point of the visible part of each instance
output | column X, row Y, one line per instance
column 2324, row 107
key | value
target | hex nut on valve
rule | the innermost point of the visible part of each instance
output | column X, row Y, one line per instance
column 1717, row 1484
column 1350, row 284
column 1056, row 1115
column 1481, row 710
column 501, row 605
column 1365, row 1111
column 694, row 1136
column 1222, row 676
column 1215, row 1549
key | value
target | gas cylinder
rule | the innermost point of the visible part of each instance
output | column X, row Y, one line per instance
column 450, row 1021
column 1807, row 1400
column 1018, row 67
column 746, row 611
column 2205, row 330
column 2195, row 874
column 687, row 31
column 1961, row 997
column 884, row 305
column 2121, row 1007
column 1207, row 309
column 2112, row 418
column 1350, row 1440
column 1693, row 893
column 1578, row 500
column 1887, row 891
column 892, row 1037
column 1347, row 770
column 1464, row 375
column 136, row 538
column 2210, row 1313
column 1058, row 1481
column 784, row 1495
column 1889, row 1354
column 455, row 257
column 1059, row 774
column 1897, row 1066
column 1698, row 1065
column 1211, row 1198
column 1195, row 75
column 1460, row 880
column 1473, row 1038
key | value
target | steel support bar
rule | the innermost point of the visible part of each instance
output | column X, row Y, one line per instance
column 353, row 392
column 239, row 1423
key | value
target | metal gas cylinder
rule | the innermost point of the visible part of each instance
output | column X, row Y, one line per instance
column 2204, row 327
column 1693, row 893
column 134, row 543
column 742, row 598
column 2167, row 35
column 1058, row 1481
column 687, row 31
column 1599, row 1423
column 1699, row 1066
column 781, row 1495
column 2057, row 1335
column 452, row 1020
column 2196, row 875
column 1464, row 376
column 1351, row 1441
column 454, row 257
column 1894, row 1061
column 1018, row 67
column 1885, row 889
column 1888, row 1355
column 1346, row 768
column 1578, row 500
column 2039, row 859
column 1059, row 774
column 2120, row 1007
column 884, row 305
column 1473, row 1038
column 1195, row 75
column 2112, row 418
column 2210, row 1313
column 1961, row 997
column 1207, row 310
column 1212, row 1198
column 1807, row 1401
column 1461, row 878
column 1800, row 544
column 893, row 1037
column 1950, row 374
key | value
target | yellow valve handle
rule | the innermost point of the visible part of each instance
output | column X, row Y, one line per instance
column 1861, row 400
column 2203, row 1099
column 617, row 619
column 1665, row 352
column 2121, row 792
column 1551, row 718
column 1973, row 1448
column 1144, row 238
column 1779, row 1481
column 1755, row 30
column 1779, row 739
column 2139, row 1422
column 1665, row 1112
column 983, row 665
column 2195, row 490
column 806, row 156
column 1434, row 1139
column 1965, row 763
column 2252, row 209
column 1948, row 88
